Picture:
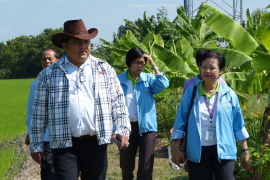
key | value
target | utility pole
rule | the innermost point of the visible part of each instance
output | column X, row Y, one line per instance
column 235, row 5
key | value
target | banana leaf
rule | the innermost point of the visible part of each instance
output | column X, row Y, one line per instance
column 266, row 39
column 248, row 83
column 260, row 61
column 233, row 58
column 171, row 60
column 148, row 39
column 177, row 81
column 187, row 50
column 158, row 40
column 226, row 27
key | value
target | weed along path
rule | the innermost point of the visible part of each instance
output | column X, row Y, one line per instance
column 31, row 170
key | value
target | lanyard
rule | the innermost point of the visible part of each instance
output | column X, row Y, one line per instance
column 212, row 112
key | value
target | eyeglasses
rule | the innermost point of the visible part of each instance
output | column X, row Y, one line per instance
column 82, row 77
column 139, row 63
column 211, row 69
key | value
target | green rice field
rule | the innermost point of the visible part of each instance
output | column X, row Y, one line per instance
column 14, row 94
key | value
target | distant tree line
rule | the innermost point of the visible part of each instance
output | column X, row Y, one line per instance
column 20, row 57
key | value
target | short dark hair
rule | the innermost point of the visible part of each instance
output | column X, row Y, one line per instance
column 215, row 55
column 199, row 56
column 133, row 54
column 56, row 55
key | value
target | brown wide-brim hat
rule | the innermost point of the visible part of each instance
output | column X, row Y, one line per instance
column 74, row 28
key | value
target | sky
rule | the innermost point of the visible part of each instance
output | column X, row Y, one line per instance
column 31, row 17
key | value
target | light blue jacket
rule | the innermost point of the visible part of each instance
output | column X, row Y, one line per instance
column 229, row 124
column 147, row 86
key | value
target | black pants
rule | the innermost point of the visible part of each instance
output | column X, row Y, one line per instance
column 223, row 170
column 85, row 156
column 146, row 144
column 46, row 168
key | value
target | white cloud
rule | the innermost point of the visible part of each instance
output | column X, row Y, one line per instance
column 7, row 31
column 168, row 6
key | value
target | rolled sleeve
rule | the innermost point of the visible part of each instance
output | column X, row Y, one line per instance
column 159, row 75
column 241, row 135
column 178, row 134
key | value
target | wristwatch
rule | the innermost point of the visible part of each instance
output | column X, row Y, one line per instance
column 156, row 68
column 245, row 149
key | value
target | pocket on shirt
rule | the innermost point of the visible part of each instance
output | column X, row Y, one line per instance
column 146, row 90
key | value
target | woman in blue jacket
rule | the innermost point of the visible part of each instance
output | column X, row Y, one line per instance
column 214, row 125
column 139, row 88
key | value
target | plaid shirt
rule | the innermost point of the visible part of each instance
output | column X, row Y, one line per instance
column 51, row 106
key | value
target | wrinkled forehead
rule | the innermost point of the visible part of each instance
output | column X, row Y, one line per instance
column 48, row 53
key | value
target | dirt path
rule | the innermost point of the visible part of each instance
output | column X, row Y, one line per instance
column 31, row 170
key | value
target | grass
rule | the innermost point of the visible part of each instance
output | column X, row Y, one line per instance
column 14, row 94
column 162, row 170
column 6, row 156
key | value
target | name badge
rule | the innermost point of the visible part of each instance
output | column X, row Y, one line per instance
column 209, row 135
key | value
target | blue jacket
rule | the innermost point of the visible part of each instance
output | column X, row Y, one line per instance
column 229, row 124
column 147, row 86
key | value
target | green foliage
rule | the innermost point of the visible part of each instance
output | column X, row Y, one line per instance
column 20, row 57
column 259, row 154
column 166, row 105
column 14, row 94
column 6, row 156
column 240, row 37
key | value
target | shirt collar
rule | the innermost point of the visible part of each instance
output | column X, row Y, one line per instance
column 202, row 92
column 87, row 62
column 131, row 79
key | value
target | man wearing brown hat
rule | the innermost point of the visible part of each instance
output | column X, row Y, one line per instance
column 82, row 102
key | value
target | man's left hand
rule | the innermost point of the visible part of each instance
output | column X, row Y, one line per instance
column 124, row 141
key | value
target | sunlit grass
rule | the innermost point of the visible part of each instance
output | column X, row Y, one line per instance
column 14, row 94
column 162, row 170
column 6, row 156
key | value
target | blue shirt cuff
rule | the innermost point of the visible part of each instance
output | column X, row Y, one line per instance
column 178, row 134
column 241, row 135
column 159, row 75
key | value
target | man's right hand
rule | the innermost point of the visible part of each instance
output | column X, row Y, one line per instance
column 27, row 140
column 36, row 157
